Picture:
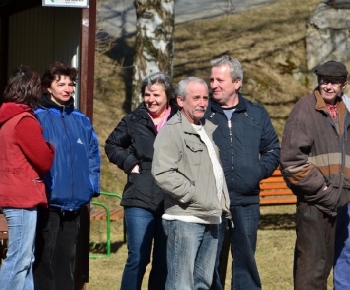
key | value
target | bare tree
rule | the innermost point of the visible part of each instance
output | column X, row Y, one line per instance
column 154, row 45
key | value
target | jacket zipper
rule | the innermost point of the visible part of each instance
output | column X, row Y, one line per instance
column 70, row 155
column 229, row 123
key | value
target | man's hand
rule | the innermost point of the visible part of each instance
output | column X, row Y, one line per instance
column 136, row 169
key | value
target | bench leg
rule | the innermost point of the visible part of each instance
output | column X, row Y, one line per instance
column 108, row 230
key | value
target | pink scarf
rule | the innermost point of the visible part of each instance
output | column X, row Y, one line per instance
column 163, row 121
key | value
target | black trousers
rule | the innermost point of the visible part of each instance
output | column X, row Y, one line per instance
column 55, row 248
column 314, row 248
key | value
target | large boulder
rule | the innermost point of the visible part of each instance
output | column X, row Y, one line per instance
column 328, row 33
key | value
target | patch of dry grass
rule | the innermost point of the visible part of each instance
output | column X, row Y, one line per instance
column 270, row 43
column 274, row 255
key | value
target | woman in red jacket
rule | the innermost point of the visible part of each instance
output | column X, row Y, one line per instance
column 24, row 157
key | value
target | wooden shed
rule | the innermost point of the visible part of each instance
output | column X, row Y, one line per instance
column 38, row 33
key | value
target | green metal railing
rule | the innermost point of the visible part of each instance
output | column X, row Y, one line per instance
column 108, row 225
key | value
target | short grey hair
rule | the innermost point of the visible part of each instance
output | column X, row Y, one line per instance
column 182, row 86
column 236, row 71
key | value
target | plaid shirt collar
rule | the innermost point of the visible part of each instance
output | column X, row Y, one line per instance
column 333, row 109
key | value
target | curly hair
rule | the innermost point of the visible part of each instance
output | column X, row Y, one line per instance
column 55, row 71
column 23, row 87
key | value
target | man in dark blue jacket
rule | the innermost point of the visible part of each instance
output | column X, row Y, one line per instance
column 249, row 151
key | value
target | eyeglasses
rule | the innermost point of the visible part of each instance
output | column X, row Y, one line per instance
column 333, row 83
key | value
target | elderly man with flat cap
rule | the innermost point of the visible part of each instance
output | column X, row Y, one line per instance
column 315, row 155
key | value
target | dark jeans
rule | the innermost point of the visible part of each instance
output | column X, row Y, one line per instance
column 144, row 227
column 245, row 273
column 55, row 248
column 314, row 248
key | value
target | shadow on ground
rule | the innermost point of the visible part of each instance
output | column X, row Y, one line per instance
column 101, row 248
column 277, row 221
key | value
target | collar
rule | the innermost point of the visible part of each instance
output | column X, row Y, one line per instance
column 321, row 104
column 46, row 102
column 141, row 110
column 187, row 126
column 241, row 106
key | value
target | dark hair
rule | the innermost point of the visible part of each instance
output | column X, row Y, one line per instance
column 23, row 87
column 55, row 71
column 162, row 79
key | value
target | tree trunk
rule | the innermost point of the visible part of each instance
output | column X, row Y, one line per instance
column 154, row 44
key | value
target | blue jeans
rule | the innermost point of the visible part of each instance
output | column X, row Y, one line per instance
column 342, row 250
column 144, row 227
column 191, row 253
column 16, row 270
column 245, row 273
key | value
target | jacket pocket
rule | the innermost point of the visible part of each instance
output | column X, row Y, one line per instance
column 129, row 189
column 327, row 198
column 140, row 186
column 196, row 149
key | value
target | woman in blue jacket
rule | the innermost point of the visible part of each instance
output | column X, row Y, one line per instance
column 70, row 184
column 130, row 147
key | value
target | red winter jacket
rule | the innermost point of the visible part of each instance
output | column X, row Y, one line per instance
column 24, row 157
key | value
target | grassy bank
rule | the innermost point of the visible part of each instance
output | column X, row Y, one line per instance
column 269, row 41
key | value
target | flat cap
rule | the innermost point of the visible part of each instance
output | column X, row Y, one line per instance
column 333, row 69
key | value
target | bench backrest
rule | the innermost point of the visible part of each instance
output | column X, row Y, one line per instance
column 3, row 227
column 274, row 190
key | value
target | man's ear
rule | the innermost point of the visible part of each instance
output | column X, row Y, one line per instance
column 237, row 84
column 179, row 101
column 344, row 85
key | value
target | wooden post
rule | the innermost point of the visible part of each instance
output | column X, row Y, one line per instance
column 87, row 62
column 87, row 59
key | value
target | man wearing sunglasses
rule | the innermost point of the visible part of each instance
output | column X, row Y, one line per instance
column 314, row 150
